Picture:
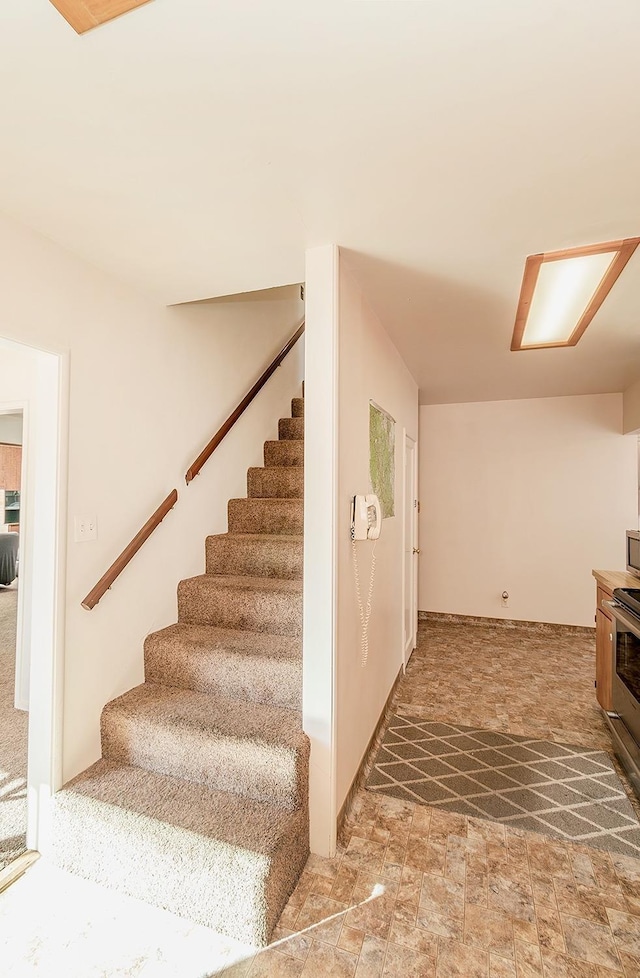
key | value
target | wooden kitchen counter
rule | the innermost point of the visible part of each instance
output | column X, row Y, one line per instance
column 612, row 579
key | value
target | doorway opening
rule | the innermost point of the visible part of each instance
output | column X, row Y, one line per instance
column 13, row 716
column 410, row 545
column 32, row 459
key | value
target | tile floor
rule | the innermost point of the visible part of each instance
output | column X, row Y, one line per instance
column 418, row 892
column 536, row 682
column 413, row 892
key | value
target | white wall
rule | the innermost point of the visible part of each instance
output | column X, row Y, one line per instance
column 525, row 496
column 631, row 408
column 11, row 429
column 147, row 388
column 320, row 572
column 350, row 361
column 370, row 368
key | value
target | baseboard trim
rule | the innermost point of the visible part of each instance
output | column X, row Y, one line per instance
column 367, row 758
column 438, row 617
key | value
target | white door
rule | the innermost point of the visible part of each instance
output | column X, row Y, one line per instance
column 410, row 571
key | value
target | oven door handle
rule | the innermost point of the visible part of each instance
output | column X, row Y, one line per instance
column 621, row 615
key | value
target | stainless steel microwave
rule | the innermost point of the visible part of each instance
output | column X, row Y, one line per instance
column 633, row 552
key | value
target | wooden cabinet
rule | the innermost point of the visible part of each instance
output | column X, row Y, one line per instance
column 10, row 465
column 607, row 581
column 604, row 653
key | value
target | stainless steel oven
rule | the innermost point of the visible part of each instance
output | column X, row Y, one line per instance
column 625, row 720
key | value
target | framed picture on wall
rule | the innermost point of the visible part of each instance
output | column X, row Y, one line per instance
column 382, row 457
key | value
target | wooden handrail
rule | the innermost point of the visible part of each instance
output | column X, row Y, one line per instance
column 224, row 430
column 121, row 562
column 143, row 535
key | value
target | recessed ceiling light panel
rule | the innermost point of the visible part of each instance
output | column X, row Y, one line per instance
column 562, row 291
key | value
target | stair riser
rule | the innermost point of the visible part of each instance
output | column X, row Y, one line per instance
column 275, row 557
column 276, row 482
column 284, row 516
column 297, row 407
column 259, row 679
column 260, row 771
column 134, row 855
column 258, row 611
column 283, row 453
column 290, row 428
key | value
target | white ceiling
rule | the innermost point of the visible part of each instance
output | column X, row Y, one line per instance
column 196, row 149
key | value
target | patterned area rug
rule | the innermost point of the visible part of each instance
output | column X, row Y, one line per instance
column 562, row 790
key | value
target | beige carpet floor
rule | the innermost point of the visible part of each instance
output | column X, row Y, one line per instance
column 13, row 738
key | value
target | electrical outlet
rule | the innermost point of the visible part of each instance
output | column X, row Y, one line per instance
column 504, row 598
column 85, row 528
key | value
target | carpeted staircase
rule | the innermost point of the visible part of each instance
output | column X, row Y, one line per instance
column 200, row 801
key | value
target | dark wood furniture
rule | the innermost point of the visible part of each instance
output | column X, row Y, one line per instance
column 606, row 581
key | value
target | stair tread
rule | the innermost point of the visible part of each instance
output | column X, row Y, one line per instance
column 268, row 500
column 275, row 482
column 287, row 453
column 271, row 471
column 237, row 664
column 289, row 441
column 142, row 833
column 273, row 555
column 271, row 515
column 247, row 583
column 294, row 469
column 259, row 604
column 211, row 639
column 270, row 538
column 217, row 816
column 290, row 429
column 210, row 716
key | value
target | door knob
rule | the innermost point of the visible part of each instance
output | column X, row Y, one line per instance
column 416, row 550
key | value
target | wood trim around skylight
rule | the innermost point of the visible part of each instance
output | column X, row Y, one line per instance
column 84, row 15
column 624, row 247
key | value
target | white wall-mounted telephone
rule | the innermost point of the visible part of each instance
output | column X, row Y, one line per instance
column 366, row 517
column 366, row 522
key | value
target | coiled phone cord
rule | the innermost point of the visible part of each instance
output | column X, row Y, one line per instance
column 365, row 612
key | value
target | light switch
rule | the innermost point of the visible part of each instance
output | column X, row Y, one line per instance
column 85, row 528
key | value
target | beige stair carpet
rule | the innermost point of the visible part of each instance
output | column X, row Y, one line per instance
column 200, row 802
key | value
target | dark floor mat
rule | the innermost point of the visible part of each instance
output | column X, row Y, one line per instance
column 562, row 790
